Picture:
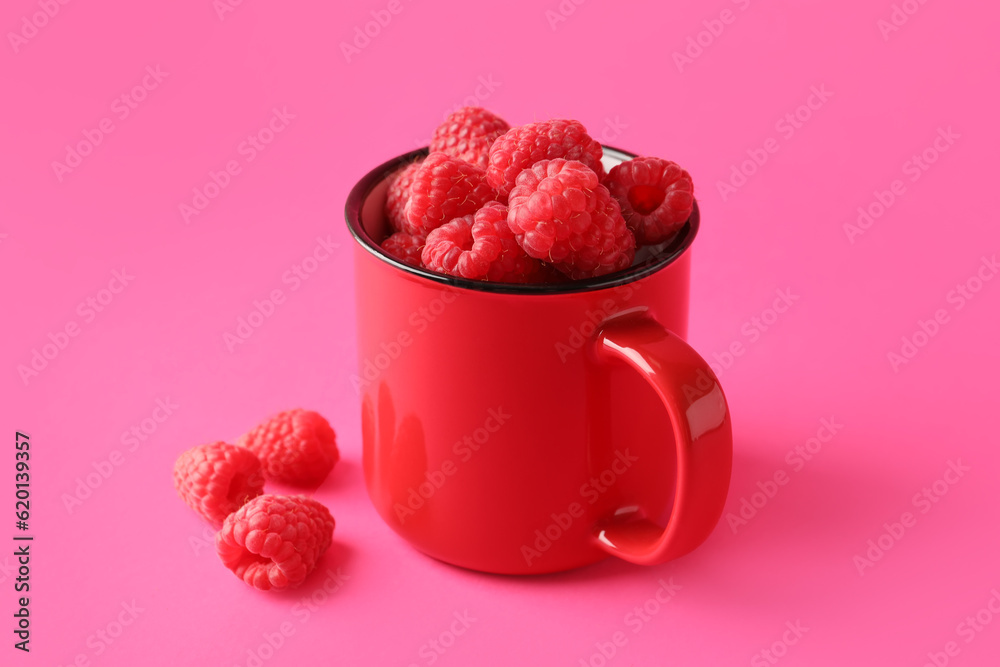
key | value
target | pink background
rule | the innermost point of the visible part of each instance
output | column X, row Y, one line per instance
column 132, row 542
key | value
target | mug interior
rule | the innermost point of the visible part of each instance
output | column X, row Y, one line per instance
column 369, row 227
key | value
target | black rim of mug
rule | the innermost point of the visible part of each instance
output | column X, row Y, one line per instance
column 662, row 256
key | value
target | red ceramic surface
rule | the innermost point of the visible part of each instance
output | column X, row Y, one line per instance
column 531, row 429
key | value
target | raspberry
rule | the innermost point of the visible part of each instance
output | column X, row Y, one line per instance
column 468, row 133
column 217, row 479
column 444, row 188
column 561, row 214
column 656, row 197
column 398, row 194
column 296, row 446
column 451, row 249
column 275, row 541
column 480, row 246
column 513, row 265
column 405, row 247
column 523, row 146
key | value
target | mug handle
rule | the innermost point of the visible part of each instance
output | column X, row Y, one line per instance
column 703, row 432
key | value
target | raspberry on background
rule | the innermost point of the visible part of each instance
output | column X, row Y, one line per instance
column 274, row 542
column 468, row 133
column 525, row 145
column 560, row 213
column 656, row 197
column 295, row 446
column 405, row 247
column 480, row 247
column 217, row 479
column 398, row 193
column 444, row 188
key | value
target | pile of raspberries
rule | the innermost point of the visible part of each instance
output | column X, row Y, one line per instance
column 529, row 204
column 269, row 541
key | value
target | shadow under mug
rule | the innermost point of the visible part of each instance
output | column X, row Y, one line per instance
column 523, row 429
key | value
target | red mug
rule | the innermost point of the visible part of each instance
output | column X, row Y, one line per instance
column 525, row 429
